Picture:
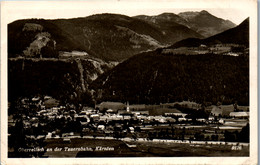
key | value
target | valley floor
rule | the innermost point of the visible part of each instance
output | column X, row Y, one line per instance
column 126, row 147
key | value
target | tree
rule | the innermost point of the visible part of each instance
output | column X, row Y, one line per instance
column 229, row 137
column 243, row 136
column 134, row 136
column 49, row 51
column 183, row 133
column 18, row 138
column 150, row 136
column 117, row 135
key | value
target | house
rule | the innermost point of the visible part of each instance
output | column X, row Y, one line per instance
column 243, row 108
column 231, row 54
column 126, row 114
column 51, row 103
column 202, row 46
column 171, row 120
column 83, row 113
column 131, row 129
column 111, row 105
column 202, row 120
column 216, row 111
column 95, row 117
column 49, row 135
column 137, row 107
column 211, row 118
column 176, row 114
column 111, row 111
column 36, row 99
column 182, row 119
column 221, row 121
column 84, row 123
column 160, row 119
column 222, row 110
column 239, row 114
column 101, row 127
column 115, row 117
column 85, row 129
column 144, row 113
column 189, row 104
column 103, row 118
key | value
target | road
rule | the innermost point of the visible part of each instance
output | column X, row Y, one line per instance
column 127, row 139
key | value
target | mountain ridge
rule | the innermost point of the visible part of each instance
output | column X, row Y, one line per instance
column 99, row 38
column 205, row 23
column 201, row 22
column 236, row 35
column 111, row 37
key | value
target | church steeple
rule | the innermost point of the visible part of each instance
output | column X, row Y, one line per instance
column 127, row 107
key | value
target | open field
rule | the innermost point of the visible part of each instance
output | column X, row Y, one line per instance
column 87, row 147
column 178, row 150
column 162, row 111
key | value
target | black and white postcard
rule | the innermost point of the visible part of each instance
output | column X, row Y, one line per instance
column 129, row 82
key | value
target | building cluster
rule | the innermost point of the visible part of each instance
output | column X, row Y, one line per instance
column 46, row 118
column 221, row 49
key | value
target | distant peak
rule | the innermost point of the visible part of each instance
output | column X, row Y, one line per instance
column 204, row 12
column 167, row 14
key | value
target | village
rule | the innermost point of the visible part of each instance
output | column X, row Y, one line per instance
column 38, row 120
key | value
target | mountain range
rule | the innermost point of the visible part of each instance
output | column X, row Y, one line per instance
column 110, row 37
column 154, row 77
column 80, row 58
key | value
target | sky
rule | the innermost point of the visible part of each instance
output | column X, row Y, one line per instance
column 14, row 10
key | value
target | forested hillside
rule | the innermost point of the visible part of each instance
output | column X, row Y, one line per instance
column 154, row 78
